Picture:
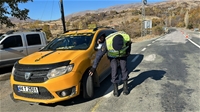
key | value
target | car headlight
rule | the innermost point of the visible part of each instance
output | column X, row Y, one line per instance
column 59, row 71
column 13, row 71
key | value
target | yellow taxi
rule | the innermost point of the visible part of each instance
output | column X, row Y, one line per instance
column 60, row 70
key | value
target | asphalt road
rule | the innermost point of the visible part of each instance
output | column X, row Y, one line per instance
column 164, row 76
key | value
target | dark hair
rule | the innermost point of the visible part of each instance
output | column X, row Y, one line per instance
column 102, row 38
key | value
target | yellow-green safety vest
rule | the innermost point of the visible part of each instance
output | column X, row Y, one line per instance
column 109, row 41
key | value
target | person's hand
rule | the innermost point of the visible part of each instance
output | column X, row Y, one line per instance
column 98, row 41
column 91, row 71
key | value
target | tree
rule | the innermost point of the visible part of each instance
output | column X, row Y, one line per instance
column 46, row 29
column 10, row 8
column 34, row 25
column 194, row 15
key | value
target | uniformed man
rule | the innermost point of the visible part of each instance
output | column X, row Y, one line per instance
column 117, row 46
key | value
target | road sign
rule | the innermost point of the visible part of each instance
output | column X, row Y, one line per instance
column 145, row 2
column 147, row 24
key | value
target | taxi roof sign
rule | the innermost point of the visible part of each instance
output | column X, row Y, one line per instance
column 92, row 26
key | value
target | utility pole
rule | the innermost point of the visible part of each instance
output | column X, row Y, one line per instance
column 144, row 2
column 166, row 20
column 62, row 15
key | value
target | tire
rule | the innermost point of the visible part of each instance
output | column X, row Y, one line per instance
column 88, row 87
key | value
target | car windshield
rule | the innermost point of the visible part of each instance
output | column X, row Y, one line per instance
column 70, row 42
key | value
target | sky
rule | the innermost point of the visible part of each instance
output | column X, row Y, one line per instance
column 50, row 9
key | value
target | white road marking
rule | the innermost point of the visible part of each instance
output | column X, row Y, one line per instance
column 194, row 43
column 149, row 45
column 143, row 49
column 153, row 41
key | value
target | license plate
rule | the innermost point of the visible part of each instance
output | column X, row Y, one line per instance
column 28, row 89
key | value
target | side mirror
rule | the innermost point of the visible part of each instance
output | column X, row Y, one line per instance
column 1, row 46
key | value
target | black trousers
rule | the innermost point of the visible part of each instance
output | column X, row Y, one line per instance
column 115, row 63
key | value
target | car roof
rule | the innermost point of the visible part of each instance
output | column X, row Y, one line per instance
column 22, row 32
column 79, row 31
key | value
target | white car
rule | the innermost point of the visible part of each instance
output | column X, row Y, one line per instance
column 16, row 45
column 196, row 29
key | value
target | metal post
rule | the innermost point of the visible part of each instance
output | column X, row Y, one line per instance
column 62, row 16
column 143, row 18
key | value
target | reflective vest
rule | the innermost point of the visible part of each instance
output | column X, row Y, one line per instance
column 109, row 42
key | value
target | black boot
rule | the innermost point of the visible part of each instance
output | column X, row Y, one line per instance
column 115, row 90
column 125, row 88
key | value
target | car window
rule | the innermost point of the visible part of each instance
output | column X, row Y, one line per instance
column 110, row 32
column 12, row 41
column 33, row 39
column 70, row 42
column 103, row 33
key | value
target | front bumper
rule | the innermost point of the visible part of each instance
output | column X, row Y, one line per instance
column 51, row 90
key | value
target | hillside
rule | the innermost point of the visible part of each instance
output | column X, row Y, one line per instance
column 125, row 17
column 119, row 8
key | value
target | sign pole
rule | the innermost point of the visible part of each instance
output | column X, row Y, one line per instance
column 143, row 30
column 142, row 20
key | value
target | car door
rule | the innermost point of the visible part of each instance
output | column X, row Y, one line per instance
column 34, row 42
column 13, row 50
column 100, row 68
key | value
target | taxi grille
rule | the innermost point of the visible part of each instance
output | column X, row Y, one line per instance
column 37, row 73
column 43, row 93
column 35, row 77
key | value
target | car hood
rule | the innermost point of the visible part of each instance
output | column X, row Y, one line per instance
column 50, row 57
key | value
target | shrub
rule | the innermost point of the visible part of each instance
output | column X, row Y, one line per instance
column 157, row 30
column 181, row 24
column 190, row 26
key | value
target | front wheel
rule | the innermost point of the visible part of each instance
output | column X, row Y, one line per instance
column 88, row 87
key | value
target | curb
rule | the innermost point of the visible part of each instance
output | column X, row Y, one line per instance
column 5, row 76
